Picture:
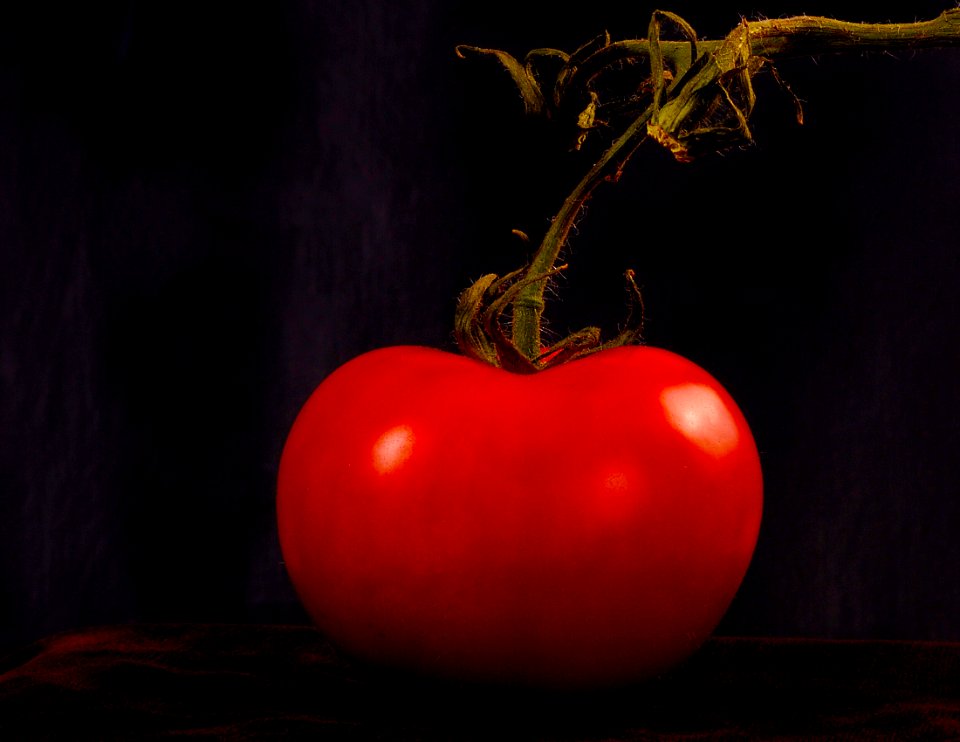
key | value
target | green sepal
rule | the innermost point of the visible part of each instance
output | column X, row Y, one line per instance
column 523, row 76
column 468, row 329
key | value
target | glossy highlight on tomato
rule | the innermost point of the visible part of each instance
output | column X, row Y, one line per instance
column 583, row 526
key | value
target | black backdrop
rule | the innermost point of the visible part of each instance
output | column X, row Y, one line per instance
column 206, row 207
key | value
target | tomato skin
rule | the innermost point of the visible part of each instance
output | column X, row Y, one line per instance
column 586, row 525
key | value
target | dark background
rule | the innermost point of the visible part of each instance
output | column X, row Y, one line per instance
column 206, row 207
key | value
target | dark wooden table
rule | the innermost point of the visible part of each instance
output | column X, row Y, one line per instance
column 286, row 682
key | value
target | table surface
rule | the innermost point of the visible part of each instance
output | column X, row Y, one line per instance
column 282, row 682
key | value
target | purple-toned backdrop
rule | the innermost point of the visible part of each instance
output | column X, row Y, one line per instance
column 205, row 208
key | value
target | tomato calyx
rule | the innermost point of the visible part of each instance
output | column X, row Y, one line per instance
column 481, row 334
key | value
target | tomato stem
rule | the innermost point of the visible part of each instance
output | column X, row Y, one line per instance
column 696, row 98
column 528, row 306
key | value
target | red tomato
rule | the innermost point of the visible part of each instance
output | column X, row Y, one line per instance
column 582, row 526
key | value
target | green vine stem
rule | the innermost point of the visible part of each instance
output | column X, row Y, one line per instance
column 693, row 96
column 529, row 305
